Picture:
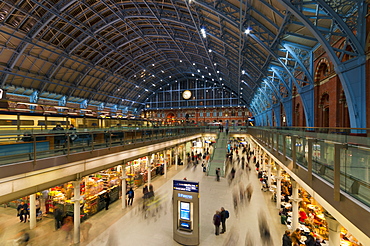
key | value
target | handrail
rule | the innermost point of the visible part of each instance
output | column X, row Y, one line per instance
column 16, row 147
column 353, row 158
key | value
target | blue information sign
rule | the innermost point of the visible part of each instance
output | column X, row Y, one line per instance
column 183, row 185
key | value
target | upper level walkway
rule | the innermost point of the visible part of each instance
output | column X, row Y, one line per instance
column 60, row 164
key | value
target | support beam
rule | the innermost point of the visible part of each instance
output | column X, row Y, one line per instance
column 76, row 212
column 337, row 148
column 32, row 211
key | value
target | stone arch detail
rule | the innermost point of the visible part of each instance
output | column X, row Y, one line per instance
column 318, row 70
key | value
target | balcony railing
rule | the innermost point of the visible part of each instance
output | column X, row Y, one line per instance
column 19, row 146
column 336, row 155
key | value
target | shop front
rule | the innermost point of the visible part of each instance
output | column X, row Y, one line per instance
column 312, row 217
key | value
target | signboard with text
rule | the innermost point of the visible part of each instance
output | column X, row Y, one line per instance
column 183, row 185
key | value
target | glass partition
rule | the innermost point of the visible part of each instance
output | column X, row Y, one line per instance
column 288, row 146
column 18, row 146
column 301, row 151
column 281, row 146
column 354, row 155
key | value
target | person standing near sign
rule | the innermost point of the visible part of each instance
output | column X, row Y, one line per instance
column 217, row 222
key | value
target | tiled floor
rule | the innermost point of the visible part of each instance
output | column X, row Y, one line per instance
column 128, row 227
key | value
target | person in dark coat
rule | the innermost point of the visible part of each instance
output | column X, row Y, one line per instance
column 224, row 216
column 217, row 222
column 310, row 241
column 286, row 239
column 22, row 211
column 58, row 216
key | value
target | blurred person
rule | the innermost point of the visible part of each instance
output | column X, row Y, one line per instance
column 145, row 189
column 296, row 236
column 233, row 238
column 232, row 173
column 22, row 212
column 249, row 241
column 287, row 241
column 249, row 192
column 224, row 216
column 130, row 195
column 264, row 230
column 67, row 227
column 85, row 228
column 235, row 195
column 43, row 198
column 217, row 222
column 22, row 238
column 150, row 193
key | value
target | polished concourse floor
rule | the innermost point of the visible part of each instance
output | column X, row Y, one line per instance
column 242, row 226
column 129, row 226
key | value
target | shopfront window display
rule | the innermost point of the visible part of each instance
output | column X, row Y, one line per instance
column 93, row 189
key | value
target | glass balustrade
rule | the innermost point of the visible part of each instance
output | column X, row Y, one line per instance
column 354, row 160
column 19, row 146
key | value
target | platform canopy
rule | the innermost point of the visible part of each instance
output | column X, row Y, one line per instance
column 122, row 52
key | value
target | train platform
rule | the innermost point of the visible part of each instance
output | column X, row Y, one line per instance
column 131, row 226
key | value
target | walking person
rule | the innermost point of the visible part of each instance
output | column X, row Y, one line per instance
column 22, row 238
column 224, row 216
column 22, row 210
column 217, row 222
column 131, row 195
column 218, row 172
column 68, row 228
column 85, row 228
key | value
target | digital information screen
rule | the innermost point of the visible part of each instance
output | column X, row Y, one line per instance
column 185, row 210
column 183, row 185
column 185, row 225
